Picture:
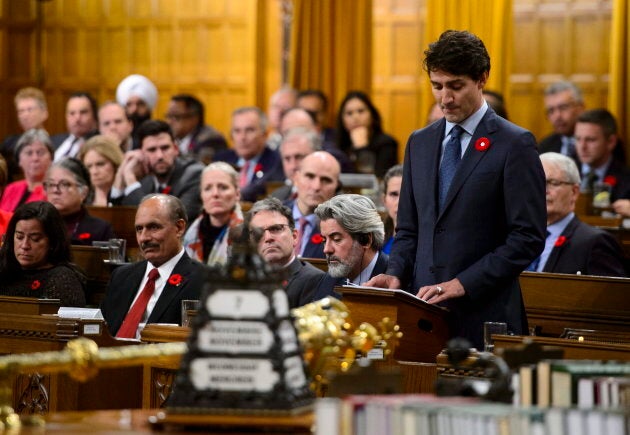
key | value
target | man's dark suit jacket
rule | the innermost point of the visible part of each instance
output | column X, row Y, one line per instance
column 303, row 280
column 491, row 228
column 588, row 250
column 315, row 246
column 59, row 138
column 183, row 182
column 270, row 170
column 553, row 144
column 206, row 142
column 327, row 285
column 125, row 282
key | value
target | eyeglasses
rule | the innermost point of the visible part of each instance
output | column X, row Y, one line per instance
column 256, row 233
column 560, row 108
column 63, row 186
column 558, row 183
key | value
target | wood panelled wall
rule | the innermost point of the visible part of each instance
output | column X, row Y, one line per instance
column 229, row 54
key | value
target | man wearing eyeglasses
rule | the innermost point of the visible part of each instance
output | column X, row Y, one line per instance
column 563, row 104
column 571, row 245
column 185, row 115
column 272, row 228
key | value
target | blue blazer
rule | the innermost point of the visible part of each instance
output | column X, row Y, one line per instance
column 492, row 225
column 271, row 170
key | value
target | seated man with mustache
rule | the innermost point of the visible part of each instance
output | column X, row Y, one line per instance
column 151, row 291
column 353, row 235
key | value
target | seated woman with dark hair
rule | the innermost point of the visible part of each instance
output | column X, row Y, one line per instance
column 35, row 257
column 68, row 188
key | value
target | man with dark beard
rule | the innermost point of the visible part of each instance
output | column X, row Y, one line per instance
column 353, row 234
column 138, row 95
column 156, row 168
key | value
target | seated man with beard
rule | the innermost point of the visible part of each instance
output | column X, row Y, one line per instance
column 353, row 235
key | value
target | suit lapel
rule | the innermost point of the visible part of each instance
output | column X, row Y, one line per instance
column 471, row 157
column 171, row 292
column 554, row 255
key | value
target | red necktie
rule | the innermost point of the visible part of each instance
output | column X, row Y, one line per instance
column 244, row 175
column 303, row 223
column 129, row 326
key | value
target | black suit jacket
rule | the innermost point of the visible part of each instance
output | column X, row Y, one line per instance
column 183, row 182
column 303, row 279
column 125, row 282
column 492, row 225
column 588, row 250
column 553, row 143
column 91, row 228
column 328, row 283
column 270, row 170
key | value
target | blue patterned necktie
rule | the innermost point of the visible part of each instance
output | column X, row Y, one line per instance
column 452, row 153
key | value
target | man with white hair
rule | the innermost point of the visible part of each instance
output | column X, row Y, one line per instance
column 571, row 245
column 139, row 96
column 353, row 235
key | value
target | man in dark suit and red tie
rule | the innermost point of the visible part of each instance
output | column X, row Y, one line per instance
column 472, row 211
column 151, row 291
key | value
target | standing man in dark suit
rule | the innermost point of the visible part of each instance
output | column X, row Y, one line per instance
column 471, row 214
column 151, row 291
column 563, row 104
column 571, row 245
column 156, row 168
column 272, row 228
column 257, row 162
column 353, row 233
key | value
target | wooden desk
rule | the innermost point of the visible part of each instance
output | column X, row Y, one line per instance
column 573, row 349
column 122, row 218
column 91, row 260
column 556, row 301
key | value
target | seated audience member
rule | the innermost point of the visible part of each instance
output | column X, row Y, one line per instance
column 34, row 154
column 435, row 113
column 207, row 238
column 571, row 245
column 101, row 156
column 563, row 104
column 272, row 228
column 281, row 101
column 316, row 181
column 5, row 216
column 32, row 112
column 114, row 123
column 360, row 135
column 595, row 140
column 194, row 138
column 391, row 192
column 81, row 110
column 138, row 95
column 68, row 188
column 151, row 290
column 316, row 102
column 257, row 163
column 296, row 144
column 165, row 171
column 496, row 101
column 302, row 118
column 35, row 257
column 353, row 236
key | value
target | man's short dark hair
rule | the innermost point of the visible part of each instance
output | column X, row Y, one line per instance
column 153, row 127
column 459, row 53
column 193, row 104
column 315, row 93
column 601, row 117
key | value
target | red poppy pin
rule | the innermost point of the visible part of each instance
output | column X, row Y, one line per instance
column 611, row 180
column 482, row 144
column 561, row 240
column 84, row 236
column 35, row 285
column 317, row 239
column 166, row 190
column 175, row 279
column 258, row 170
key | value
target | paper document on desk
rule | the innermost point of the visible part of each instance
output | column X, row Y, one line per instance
column 80, row 313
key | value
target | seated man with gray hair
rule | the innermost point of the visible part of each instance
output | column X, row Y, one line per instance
column 272, row 228
column 353, row 235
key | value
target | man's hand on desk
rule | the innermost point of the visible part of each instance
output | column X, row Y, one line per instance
column 622, row 206
column 383, row 281
column 442, row 291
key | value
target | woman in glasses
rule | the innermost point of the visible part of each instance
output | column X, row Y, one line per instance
column 207, row 237
column 34, row 154
column 35, row 257
column 102, row 157
column 68, row 188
